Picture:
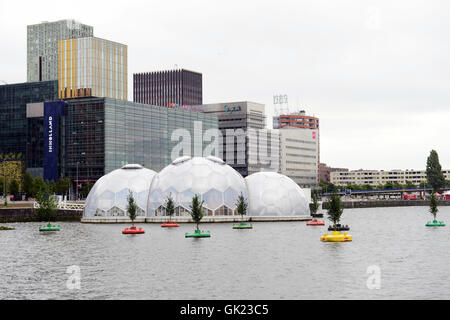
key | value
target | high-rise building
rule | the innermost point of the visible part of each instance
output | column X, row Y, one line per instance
column 168, row 88
column 299, row 150
column 247, row 146
column 42, row 46
column 300, row 147
column 92, row 67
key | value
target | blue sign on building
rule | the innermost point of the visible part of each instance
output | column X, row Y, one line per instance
column 52, row 112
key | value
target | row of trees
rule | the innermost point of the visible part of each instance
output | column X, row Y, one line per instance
column 196, row 207
column 32, row 186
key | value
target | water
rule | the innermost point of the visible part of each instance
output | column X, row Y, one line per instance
column 273, row 261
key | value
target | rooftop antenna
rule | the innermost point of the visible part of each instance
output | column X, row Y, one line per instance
column 280, row 104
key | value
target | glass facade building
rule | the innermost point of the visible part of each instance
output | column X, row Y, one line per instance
column 103, row 134
column 42, row 46
column 19, row 134
column 92, row 67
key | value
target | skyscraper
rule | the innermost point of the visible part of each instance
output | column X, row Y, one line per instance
column 42, row 46
column 168, row 88
column 92, row 67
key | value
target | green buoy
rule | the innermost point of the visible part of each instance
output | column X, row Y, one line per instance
column 435, row 223
column 198, row 234
column 242, row 225
column 49, row 227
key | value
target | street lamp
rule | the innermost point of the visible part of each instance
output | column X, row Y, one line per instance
column 77, row 181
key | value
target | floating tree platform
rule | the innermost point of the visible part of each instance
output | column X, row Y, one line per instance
column 198, row 234
column 315, row 222
column 435, row 223
column 133, row 230
column 170, row 225
column 242, row 225
column 6, row 228
column 49, row 227
column 336, row 236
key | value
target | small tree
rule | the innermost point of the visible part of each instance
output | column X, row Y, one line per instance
column 28, row 185
column 196, row 210
column 14, row 188
column 435, row 177
column 131, row 207
column 170, row 207
column 433, row 206
column 315, row 204
column 241, row 205
column 335, row 209
column 39, row 186
column 62, row 186
column 47, row 205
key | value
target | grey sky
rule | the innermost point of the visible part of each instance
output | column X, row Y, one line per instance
column 376, row 73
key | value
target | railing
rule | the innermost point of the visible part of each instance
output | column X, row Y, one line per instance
column 65, row 205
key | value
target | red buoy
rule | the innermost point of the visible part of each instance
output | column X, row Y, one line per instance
column 133, row 230
column 315, row 222
column 170, row 224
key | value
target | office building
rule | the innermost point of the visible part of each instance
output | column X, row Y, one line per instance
column 42, row 46
column 103, row 134
column 296, row 120
column 92, row 67
column 247, row 146
column 19, row 134
column 168, row 88
column 299, row 155
column 300, row 147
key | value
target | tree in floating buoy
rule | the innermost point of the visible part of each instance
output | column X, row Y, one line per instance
column 170, row 207
column 241, row 208
column 170, row 211
column 335, row 211
column 47, row 208
column 131, row 207
column 132, row 212
column 315, row 204
column 197, row 215
column 436, row 179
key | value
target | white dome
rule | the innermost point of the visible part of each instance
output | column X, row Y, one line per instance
column 108, row 196
column 218, row 184
column 274, row 194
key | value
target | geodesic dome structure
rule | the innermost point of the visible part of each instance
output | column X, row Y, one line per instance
column 216, row 183
column 274, row 194
column 108, row 196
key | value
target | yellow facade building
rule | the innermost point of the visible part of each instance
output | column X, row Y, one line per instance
column 92, row 67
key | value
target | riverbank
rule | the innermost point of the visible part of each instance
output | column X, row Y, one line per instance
column 27, row 214
column 385, row 203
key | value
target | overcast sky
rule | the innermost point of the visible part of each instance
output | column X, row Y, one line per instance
column 376, row 73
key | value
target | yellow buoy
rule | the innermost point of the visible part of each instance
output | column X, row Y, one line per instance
column 336, row 236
